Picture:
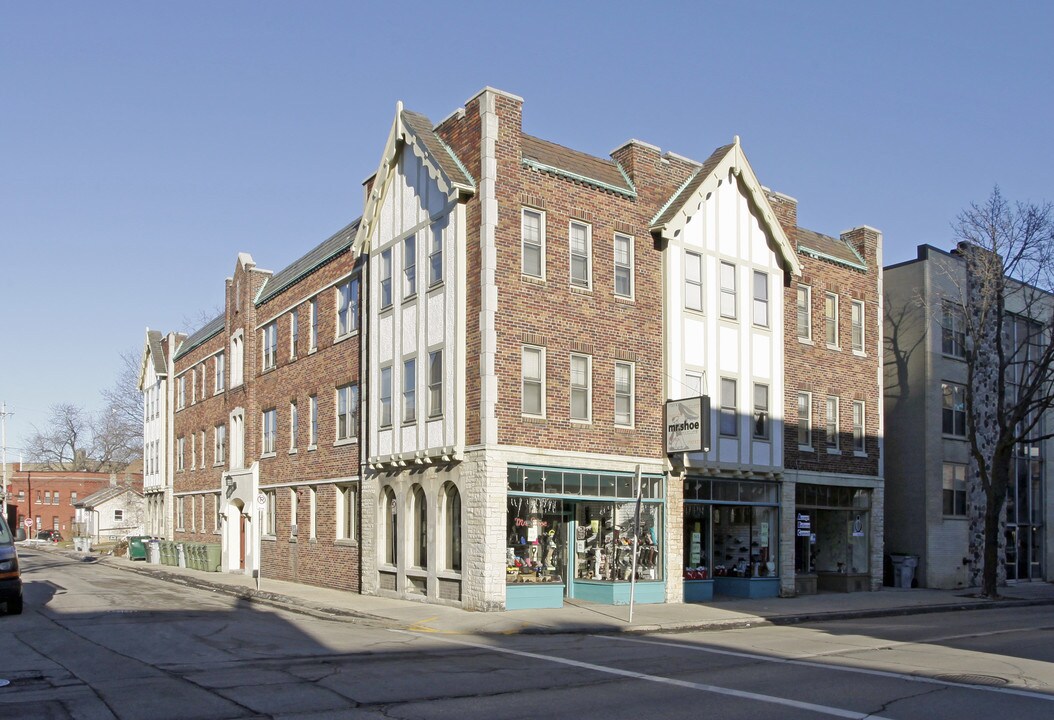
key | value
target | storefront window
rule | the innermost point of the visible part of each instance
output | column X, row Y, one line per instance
column 745, row 541
column 536, row 549
column 697, row 552
column 452, row 527
column 832, row 530
column 604, row 534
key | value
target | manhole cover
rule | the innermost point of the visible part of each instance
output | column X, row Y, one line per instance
column 968, row 679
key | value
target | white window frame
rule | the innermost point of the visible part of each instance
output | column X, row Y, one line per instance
column 953, row 331
column 957, row 475
column 859, row 428
column 630, row 393
column 384, row 276
column 312, row 339
column 271, row 512
column 538, row 380
column 219, row 444
column 181, row 445
column 237, row 365
column 627, row 267
column 729, row 415
column 857, row 338
column 294, row 331
column 762, row 413
column 348, row 395
column 384, row 396
column 581, row 388
column 805, row 308
column 727, row 281
column 202, row 449
column 294, row 421
column 954, row 390
column 832, row 418
column 269, row 345
column 181, row 392
column 193, row 385
column 805, row 421
column 409, row 397
column 347, row 307
column 693, row 288
column 268, row 431
column 435, row 383
column 346, row 513
column 409, row 252
column 830, row 318
column 524, row 242
column 761, row 299
column 571, row 226
column 312, row 438
column 220, row 372
column 435, row 256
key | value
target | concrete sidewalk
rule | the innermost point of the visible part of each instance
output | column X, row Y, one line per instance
column 580, row 617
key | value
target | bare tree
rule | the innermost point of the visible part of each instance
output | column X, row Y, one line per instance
column 193, row 323
column 1007, row 310
column 120, row 424
column 68, row 441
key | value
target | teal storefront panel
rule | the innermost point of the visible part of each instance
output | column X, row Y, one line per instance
column 534, row 596
column 751, row 588
column 607, row 593
column 698, row 590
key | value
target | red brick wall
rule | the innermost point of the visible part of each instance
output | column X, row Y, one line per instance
column 816, row 368
column 45, row 484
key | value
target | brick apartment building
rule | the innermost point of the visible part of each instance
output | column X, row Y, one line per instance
column 47, row 497
column 266, row 407
column 527, row 311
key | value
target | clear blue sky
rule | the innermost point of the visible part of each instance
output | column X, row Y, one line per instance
column 144, row 144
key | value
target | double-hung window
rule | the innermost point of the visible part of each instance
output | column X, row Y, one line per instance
column 804, row 308
column 347, row 307
column 347, row 411
column 180, row 446
column 386, row 396
column 805, row 421
column 856, row 311
column 409, row 390
column 693, row 280
column 761, row 412
column 294, row 422
column 312, row 340
column 294, row 331
column 533, row 243
column 580, row 240
column 435, row 383
column 435, row 257
column 761, row 299
column 237, row 358
column 728, row 290
column 269, row 424
column 953, row 331
column 533, row 381
column 181, row 394
column 312, row 435
column 832, row 423
column 623, row 265
column 953, row 415
column 386, row 278
column 858, row 427
column 581, row 390
column 830, row 317
column 409, row 266
column 347, row 507
column 219, row 450
column 270, row 345
column 728, row 407
column 221, row 371
column 624, row 405
column 954, row 489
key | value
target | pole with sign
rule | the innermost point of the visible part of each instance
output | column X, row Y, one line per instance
column 261, row 502
column 636, row 539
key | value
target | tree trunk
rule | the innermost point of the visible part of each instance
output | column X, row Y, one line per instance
column 994, row 521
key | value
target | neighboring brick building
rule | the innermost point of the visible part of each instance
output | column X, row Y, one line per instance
column 47, row 497
column 266, row 407
column 833, row 490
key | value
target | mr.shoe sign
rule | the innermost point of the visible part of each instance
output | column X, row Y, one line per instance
column 687, row 424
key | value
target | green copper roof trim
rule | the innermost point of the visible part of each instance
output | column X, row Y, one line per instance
column 838, row 261
column 581, row 178
column 626, row 177
column 677, row 194
column 198, row 342
column 457, row 161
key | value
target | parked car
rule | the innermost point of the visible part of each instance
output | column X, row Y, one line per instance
column 10, row 574
column 50, row 535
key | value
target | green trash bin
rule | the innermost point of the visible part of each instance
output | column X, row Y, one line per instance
column 137, row 547
column 197, row 562
column 166, row 552
column 213, row 557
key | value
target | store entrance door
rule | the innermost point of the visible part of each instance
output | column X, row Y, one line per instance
column 571, row 556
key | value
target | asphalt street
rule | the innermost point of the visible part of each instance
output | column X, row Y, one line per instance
column 95, row 642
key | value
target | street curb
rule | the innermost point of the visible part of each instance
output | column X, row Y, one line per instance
column 290, row 604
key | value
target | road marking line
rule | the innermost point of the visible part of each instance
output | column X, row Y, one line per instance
column 842, row 668
column 824, row 709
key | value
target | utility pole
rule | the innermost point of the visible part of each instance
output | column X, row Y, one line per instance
column 3, row 450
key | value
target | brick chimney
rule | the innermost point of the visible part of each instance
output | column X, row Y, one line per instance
column 786, row 210
column 867, row 241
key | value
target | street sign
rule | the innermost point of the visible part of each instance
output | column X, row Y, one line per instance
column 28, row 522
column 261, row 499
